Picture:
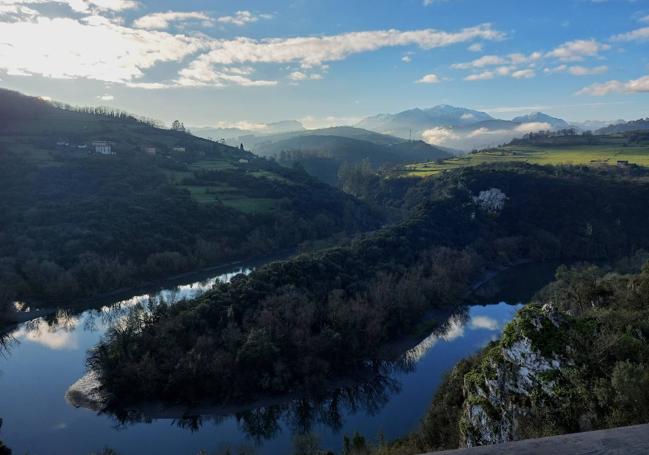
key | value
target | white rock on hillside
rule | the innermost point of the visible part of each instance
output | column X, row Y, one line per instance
column 497, row 393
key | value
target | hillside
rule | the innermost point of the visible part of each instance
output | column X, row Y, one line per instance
column 323, row 155
column 76, row 222
column 641, row 125
column 289, row 325
column 322, row 152
column 572, row 360
column 601, row 151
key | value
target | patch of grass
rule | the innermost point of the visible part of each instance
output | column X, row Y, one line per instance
column 211, row 165
column 252, row 205
column 590, row 155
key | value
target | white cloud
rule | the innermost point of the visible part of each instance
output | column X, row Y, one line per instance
column 106, row 97
column 483, row 322
column 242, row 18
column 301, row 76
column 577, row 70
column 493, row 60
column 468, row 139
column 510, row 65
column 52, row 337
column 523, row 74
column 161, row 21
column 14, row 12
column 93, row 48
column 640, row 85
column 104, row 48
column 644, row 19
column 476, row 47
column 82, row 6
column 641, row 34
column 313, row 51
column 429, row 79
column 438, row 135
column 485, row 75
column 312, row 122
column 485, row 60
column 202, row 74
column 532, row 126
column 406, row 59
column 577, row 50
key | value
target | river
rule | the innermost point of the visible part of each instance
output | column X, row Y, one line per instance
column 45, row 358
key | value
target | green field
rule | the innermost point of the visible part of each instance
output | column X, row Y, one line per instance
column 595, row 155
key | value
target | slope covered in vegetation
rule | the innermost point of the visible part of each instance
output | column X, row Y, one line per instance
column 564, row 147
column 74, row 223
column 323, row 152
column 293, row 324
column 573, row 360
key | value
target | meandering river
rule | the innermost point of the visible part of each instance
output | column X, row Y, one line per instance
column 45, row 358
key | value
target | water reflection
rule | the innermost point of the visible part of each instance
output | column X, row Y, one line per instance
column 60, row 331
column 39, row 420
column 299, row 415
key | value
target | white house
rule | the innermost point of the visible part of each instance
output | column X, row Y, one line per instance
column 103, row 147
column 150, row 150
column 179, row 149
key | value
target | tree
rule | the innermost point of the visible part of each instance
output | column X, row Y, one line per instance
column 177, row 125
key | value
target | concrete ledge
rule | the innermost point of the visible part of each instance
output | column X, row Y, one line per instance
column 616, row 441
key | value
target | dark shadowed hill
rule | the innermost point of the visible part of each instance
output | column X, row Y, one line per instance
column 322, row 155
column 92, row 201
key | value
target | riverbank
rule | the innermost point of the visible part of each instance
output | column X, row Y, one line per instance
column 38, row 310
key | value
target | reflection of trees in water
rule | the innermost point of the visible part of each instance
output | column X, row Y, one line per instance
column 6, row 342
column 300, row 415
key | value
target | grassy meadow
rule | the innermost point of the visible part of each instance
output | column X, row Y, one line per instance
column 595, row 155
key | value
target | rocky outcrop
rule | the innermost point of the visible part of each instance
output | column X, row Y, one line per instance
column 86, row 393
column 491, row 200
column 516, row 376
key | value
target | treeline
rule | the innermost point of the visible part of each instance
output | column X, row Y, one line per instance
column 298, row 323
column 16, row 107
column 93, row 224
column 604, row 347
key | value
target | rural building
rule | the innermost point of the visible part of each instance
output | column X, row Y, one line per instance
column 150, row 150
column 180, row 149
column 103, row 147
column 243, row 161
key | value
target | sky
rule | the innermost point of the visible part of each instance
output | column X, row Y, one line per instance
column 323, row 62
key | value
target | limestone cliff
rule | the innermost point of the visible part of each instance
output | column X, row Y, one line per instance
column 515, row 378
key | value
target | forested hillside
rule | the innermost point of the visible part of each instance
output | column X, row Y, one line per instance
column 291, row 324
column 322, row 153
column 74, row 222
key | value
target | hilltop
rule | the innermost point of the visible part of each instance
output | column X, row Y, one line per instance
column 323, row 152
column 626, row 127
column 80, row 218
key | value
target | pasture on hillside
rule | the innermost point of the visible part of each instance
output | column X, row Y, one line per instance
column 592, row 155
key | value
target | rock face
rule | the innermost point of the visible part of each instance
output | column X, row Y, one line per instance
column 86, row 393
column 514, row 377
column 491, row 200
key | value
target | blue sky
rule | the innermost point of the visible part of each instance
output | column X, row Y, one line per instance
column 227, row 62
